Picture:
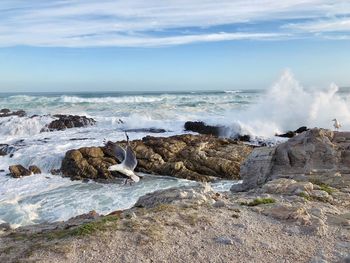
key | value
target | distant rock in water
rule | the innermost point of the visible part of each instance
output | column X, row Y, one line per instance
column 194, row 157
column 34, row 169
column 8, row 113
column 69, row 121
column 202, row 128
column 291, row 134
column 17, row 171
column 147, row 130
column 6, row 149
column 315, row 155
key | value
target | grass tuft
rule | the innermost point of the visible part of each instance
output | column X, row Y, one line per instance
column 259, row 201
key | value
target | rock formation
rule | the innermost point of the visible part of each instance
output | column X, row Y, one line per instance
column 195, row 157
column 317, row 155
column 69, row 121
column 17, row 171
column 8, row 113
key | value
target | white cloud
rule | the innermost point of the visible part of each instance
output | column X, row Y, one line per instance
column 329, row 25
column 80, row 23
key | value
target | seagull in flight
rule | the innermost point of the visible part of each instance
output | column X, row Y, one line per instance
column 336, row 124
column 127, row 159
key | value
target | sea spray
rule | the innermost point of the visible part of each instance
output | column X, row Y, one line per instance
column 287, row 105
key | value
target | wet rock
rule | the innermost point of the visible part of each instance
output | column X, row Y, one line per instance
column 8, row 113
column 34, row 169
column 55, row 171
column 202, row 128
column 17, row 171
column 69, row 121
column 147, row 130
column 315, row 155
column 291, row 134
column 6, row 149
column 194, row 157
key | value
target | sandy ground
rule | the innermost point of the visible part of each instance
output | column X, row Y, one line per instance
column 190, row 232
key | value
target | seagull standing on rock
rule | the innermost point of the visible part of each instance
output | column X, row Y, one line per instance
column 127, row 159
column 336, row 124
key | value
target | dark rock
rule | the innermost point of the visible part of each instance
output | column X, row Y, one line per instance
column 291, row 134
column 202, row 128
column 244, row 138
column 194, row 157
column 147, row 130
column 17, row 171
column 69, row 121
column 301, row 129
column 55, row 171
column 79, row 139
column 34, row 169
column 5, row 227
column 8, row 113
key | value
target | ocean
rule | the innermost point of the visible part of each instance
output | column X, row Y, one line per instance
column 41, row 198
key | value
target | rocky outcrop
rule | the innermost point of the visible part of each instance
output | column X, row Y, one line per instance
column 6, row 149
column 17, row 171
column 68, row 121
column 317, row 155
column 194, row 157
column 8, row 113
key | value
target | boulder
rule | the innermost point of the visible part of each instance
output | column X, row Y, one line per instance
column 17, row 171
column 8, row 113
column 194, row 157
column 315, row 155
column 68, row 121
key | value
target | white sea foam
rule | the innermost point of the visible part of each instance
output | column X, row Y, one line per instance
column 287, row 106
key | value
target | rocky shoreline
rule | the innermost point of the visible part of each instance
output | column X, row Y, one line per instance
column 293, row 206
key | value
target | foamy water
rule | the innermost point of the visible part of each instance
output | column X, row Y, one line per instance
column 287, row 105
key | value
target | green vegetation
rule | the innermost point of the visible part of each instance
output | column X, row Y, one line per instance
column 259, row 201
column 323, row 186
column 305, row 196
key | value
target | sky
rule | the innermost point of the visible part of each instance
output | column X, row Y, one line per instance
column 105, row 45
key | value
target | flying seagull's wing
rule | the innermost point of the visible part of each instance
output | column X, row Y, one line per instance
column 117, row 151
column 130, row 161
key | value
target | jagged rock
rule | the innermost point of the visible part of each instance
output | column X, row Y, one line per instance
column 34, row 169
column 68, row 121
column 8, row 113
column 195, row 157
column 315, row 155
column 17, row 171
column 6, row 149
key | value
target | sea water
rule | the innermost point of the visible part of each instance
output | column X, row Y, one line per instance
column 47, row 198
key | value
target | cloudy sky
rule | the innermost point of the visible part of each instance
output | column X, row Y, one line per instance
column 176, row 44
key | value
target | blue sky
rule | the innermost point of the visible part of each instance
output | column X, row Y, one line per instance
column 91, row 45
